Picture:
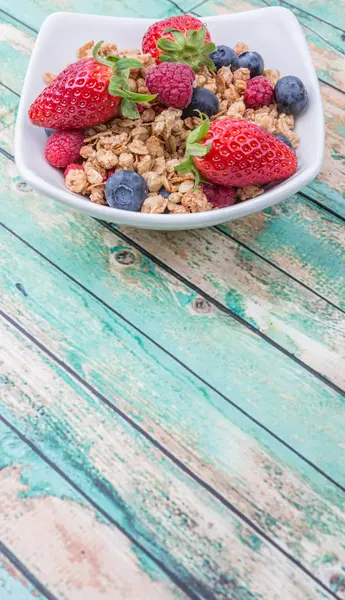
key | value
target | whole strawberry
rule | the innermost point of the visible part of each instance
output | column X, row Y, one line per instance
column 87, row 93
column 243, row 154
column 258, row 92
column 63, row 147
column 182, row 39
column 233, row 152
column 172, row 82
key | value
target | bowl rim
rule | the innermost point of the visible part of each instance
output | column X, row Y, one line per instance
column 165, row 221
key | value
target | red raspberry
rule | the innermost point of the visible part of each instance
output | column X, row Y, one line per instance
column 172, row 82
column 73, row 166
column 219, row 195
column 63, row 147
column 258, row 92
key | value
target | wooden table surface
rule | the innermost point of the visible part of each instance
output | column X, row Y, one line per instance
column 172, row 420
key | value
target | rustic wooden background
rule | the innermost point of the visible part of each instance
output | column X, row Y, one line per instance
column 173, row 418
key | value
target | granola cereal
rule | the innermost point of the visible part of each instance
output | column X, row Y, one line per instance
column 153, row 141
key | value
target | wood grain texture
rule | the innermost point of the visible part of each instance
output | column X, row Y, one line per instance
column 94, row 559
column 164, row 453
column 13, row 585
column 174, row 319
column 201, row 429
column 274, row 304
column 215, row 553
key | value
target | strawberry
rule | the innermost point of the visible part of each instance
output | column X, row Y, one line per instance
column 183, row 39
column 233, row 152
column 87, row 93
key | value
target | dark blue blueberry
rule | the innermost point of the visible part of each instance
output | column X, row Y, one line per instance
column 284, row 139
column 49, row 131
column 249, row 60
column 203, row 100
column 163, row 192
column 126, row 190
column 291, row 95
column 223, row 56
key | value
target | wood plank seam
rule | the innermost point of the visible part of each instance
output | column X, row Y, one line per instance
column 217, row 304
column 280, row 269
column 26, row 572
column 178, row 361
column 9, row 89
column 80, row 491
column 19, row 21
column 176, row 461
column 213, row 301
column 310, row 15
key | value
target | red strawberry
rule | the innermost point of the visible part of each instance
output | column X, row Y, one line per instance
column 172, row 82
column 243, row 154
column 187, row 41
column 83, row 95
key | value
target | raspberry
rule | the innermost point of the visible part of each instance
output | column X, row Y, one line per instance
column 219, row 195
column 258, row 93
column 73, row 166
column 172, row 82
column 63, row 147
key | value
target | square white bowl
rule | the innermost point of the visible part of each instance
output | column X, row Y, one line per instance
column 273, row 32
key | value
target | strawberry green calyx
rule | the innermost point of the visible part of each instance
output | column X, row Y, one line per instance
column 118, row 85
column 190, row 49
column 194, row 148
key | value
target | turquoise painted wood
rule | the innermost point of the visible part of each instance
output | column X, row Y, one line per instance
column 13, row 585
column 173, row 421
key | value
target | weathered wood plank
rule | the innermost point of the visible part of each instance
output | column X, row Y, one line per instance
column 13, row 585
column 333, row 13
column 73, row 550
column 8, row 106
column 302, row 239
column 218, row 554
column 37, row 11
column 277, row 306
column 16, row 45
column 197, row 425
column 232, row 344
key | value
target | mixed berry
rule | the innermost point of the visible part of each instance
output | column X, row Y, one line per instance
column 183, row 126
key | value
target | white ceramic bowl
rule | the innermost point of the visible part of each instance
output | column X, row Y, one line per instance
column 273, row 32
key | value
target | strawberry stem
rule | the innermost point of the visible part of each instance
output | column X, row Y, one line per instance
column 194, row 148
column 118, row 85
column 190, row 49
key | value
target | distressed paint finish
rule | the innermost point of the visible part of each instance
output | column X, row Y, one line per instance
column 153, row 500
column 122, row 465
column 13, row 585
column 95, row 559
column 172, row 316
column 219, row 443
column 270, row 301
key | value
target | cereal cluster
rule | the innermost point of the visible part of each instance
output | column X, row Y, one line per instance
column 155, row 143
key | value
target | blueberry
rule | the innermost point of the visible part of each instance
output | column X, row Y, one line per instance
column 163, row 192
column 203, row 100
column 284, row 139
column 291, row 95
column 223, row 56
column 249, row 60
column 126, row 190
column 49, row 131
